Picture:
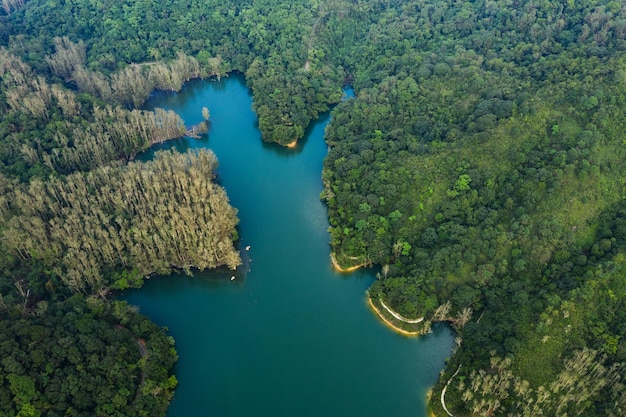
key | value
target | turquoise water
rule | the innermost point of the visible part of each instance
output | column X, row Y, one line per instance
column 289, row 336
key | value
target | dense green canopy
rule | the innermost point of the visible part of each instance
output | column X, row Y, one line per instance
column 480, row 164
column 72, row 359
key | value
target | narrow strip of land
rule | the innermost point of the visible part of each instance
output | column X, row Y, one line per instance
column 388, row 323
column 321, row 12
column 143, row 351
column 400, row 317
column 338, row 267
column 443, row 392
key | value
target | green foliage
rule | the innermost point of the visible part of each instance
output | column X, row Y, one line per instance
column 274, row 42
column 481, row 161
column 507, row 165
column 142, row 218
column 77, row 357
column 127, row 279
column 49, row 129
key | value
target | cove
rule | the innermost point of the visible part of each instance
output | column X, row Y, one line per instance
column 289, row 336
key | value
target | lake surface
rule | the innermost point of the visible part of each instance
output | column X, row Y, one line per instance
column 289, row 336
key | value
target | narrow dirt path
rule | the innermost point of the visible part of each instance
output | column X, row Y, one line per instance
column 398, row 316
column 143, row 352
column 443, row 392
column 321, row 13
column 388, row 323
column 141, row 344
column 338, row 267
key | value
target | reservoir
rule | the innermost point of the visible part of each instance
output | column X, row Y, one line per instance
column 288, row 336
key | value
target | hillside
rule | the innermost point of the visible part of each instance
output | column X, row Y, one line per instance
column 480, row 165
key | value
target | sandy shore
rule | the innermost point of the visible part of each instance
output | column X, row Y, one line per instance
column 338, row 267
column 292, row 144
column 388, row 323
column 398, row 316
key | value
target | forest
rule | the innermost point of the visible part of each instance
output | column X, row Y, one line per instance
column 479, row 167
column 80, row 218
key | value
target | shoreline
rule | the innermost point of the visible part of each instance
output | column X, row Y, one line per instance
column 388, row 323
column 292, row 145
column 429, row 397
column 339, row 268
column 398, row 316
column 443, row 392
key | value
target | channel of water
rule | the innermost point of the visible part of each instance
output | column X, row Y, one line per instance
column 288, row 336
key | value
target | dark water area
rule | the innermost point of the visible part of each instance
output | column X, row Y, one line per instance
column 288, row 336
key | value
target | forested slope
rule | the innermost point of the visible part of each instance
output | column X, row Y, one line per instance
column 480, row 164
column 48, row 128
column 85, row 358
column 79, row 218
column 274, row 42
column 145, row 218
